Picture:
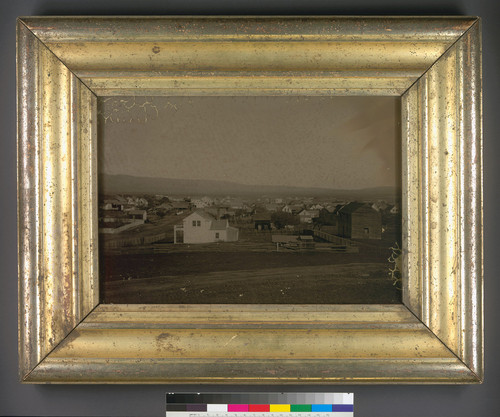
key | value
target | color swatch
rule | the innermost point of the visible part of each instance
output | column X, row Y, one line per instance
column 259, row 404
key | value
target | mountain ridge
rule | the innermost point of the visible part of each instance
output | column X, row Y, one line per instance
column 128, row 184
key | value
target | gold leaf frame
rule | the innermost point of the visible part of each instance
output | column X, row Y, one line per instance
column 434, row 64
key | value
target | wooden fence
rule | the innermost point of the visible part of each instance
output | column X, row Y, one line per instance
column 134, row 241
column 337, row 240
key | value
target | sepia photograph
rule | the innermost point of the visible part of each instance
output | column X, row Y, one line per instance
column 269, row 200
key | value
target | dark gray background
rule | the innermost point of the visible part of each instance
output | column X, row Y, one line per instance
column 135, row 400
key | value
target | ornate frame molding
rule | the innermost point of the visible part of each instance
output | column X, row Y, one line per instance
column 434, row 64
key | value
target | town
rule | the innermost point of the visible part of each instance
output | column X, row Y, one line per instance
column 147, row 236
column 138, row 220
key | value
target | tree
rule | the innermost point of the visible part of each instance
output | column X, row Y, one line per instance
column 282, row 219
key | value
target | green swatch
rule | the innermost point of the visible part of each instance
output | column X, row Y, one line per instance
column 300, row 407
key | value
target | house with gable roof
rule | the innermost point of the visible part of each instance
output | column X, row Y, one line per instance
column 307, row 216
column 359, row 221
column 202, row 227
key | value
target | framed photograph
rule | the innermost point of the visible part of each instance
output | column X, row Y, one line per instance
column 250, row 200
column 219, row 200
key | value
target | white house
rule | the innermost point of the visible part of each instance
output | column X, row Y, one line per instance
column 201, row 227
column 202, row 202
column 307, row 216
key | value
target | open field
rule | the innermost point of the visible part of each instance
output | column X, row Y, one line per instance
column 212, row 273
column 323, row 284
column 143, row 265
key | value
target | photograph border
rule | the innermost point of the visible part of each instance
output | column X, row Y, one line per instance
column 433, row 63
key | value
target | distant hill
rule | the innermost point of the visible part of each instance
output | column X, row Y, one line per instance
column 126, row 184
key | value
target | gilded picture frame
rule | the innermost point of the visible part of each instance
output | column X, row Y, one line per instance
column 432, row 63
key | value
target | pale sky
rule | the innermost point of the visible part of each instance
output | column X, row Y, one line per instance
column 327, row 142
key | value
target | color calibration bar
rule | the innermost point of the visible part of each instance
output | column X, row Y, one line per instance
column 260, row 405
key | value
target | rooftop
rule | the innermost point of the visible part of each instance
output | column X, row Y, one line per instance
column 218, row 225
column 351, row 207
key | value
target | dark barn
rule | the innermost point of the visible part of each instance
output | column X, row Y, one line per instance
column 262, row 221
column 327, row 221
column 359, row 221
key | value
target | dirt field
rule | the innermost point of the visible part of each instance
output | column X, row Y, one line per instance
column 195, row 275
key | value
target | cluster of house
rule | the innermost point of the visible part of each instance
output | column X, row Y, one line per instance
column 119, row 214
column 208, row 219
column 351, row 220
column 354, row 220
column 228, row 205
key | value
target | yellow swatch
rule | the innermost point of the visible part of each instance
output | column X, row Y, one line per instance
column 279, row 408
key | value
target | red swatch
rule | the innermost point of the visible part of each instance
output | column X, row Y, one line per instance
column 258, row 407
